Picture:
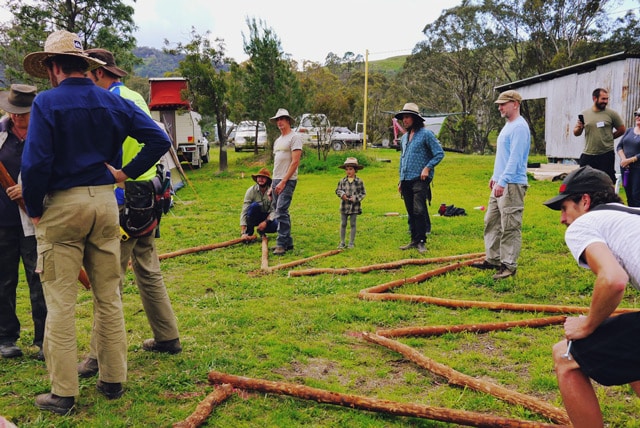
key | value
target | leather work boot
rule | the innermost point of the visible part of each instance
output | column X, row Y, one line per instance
column 485, row 265
column 10, row 350
column 110, row 390
column 167, row 346
column 504, row 272
column 409, row 246
column 88, row 367
column 55, row 404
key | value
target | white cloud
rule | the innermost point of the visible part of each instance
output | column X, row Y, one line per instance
column 307, row 30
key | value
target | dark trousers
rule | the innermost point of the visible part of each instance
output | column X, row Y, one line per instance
column 632, row 188
column 255, row 216
column 605, row 162
column 415, row 194
column 14, row 246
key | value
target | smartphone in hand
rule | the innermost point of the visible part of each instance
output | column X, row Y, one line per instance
column 581, row 118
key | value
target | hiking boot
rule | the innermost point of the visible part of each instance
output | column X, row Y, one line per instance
column 485, row 265
column 55, row 404
column 88, row 367
column 278, row 251
column 504, row 272
column 10, row 350
column 110, row 390
column 409, row 246
column 40, row 355
column 166, row 346
column 421, row 248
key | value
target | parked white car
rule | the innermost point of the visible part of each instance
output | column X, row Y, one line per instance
column 314, row 128
column 244, row 136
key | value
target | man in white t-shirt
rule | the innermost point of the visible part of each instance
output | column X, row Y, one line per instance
column 287, row 150
column 603, row 235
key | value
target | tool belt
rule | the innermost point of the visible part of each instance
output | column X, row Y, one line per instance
column 145, row 203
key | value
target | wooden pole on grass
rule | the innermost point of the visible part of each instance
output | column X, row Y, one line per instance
column 382, row 266
column 461, row 417
column 456, row 378
column 205, row 407
column 205, row 247
column 436, row 330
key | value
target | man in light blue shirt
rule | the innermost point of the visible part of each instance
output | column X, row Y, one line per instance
column 508, row 184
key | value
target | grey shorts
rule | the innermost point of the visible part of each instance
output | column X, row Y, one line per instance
column 611, row 354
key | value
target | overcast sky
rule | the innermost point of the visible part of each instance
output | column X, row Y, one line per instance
column 308, row 30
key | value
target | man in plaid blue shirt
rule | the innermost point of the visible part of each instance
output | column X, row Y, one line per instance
column 421, row 152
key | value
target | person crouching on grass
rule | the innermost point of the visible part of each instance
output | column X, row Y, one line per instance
column 351, row 192
column 603, row 235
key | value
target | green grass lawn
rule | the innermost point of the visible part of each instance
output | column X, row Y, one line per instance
column 300, row 329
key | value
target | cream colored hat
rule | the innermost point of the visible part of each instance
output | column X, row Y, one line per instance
column 281, row 113
column 410, row 108
column 58, row 43
column 353, row 162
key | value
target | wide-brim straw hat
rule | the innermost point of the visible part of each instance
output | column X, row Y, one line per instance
column 353, row 162
column 412, row 109
column 264, row 172
column 58, row 43
column 281, row 113
column 18, row 98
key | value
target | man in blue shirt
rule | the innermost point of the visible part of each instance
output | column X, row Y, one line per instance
column 71, row 160
column 421, row 152
column 508, row 184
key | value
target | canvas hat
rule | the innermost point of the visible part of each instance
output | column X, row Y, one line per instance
column 18, row 98
column 281, row 113
column 582, row 180
column 58, row 43
column 264, row 172
column 507, row 96
column 351, row 162
column 410, row 108
column 106, row 57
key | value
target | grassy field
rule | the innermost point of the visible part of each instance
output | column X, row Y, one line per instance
column 301, row 329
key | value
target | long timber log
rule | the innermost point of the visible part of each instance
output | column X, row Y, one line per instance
column 204, row 248
column 382, row 266
column 437, row 330
column 456, row 378
column 460, row 417
column 205, row 407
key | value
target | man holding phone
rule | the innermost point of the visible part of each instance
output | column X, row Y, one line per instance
column 601, row 125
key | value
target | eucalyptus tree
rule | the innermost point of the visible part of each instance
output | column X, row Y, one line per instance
column 450, row 71
column 267, row 80
column 106, row 24
column 203, row 66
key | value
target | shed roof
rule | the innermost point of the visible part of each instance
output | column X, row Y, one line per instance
column 583, row 67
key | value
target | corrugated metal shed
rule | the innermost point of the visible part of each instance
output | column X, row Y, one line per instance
column 567, row 92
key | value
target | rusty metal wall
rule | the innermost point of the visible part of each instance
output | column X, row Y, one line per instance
column 566, row 96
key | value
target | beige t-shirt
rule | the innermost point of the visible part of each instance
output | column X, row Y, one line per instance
column 282, row 149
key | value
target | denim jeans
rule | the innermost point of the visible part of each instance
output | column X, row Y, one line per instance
column 13, row 247
column 282, row 202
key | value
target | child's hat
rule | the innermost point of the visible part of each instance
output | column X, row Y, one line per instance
column 351, row 162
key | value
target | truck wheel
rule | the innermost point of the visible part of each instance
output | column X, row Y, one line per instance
column 337, row 145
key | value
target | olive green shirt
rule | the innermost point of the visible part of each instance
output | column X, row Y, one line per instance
column 598, row 130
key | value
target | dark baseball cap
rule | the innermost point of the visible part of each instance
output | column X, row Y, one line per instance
column 580, row 181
